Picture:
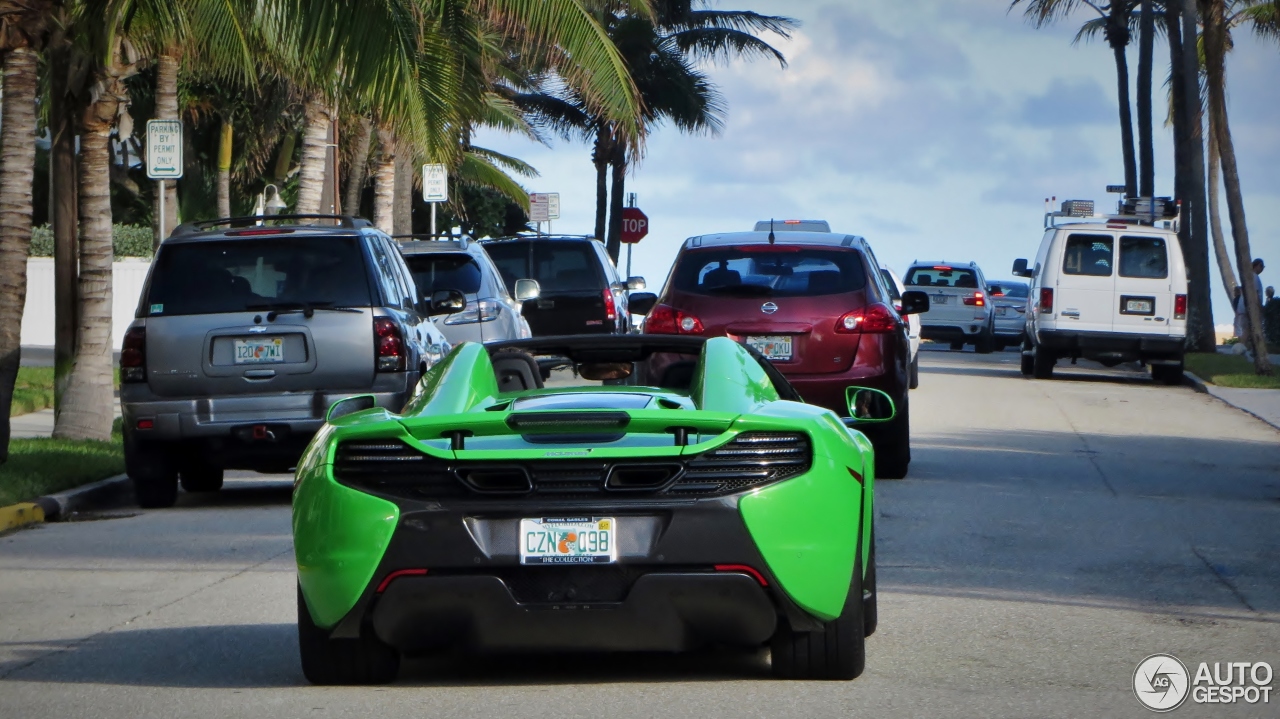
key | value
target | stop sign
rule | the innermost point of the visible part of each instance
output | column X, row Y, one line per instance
column 635, row 225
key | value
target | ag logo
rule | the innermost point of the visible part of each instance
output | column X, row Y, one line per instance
column 1161, row 682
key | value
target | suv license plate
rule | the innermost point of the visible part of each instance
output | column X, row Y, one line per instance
column 774, row 348
column 568, row 540
column 257, row 351
column 939, row 299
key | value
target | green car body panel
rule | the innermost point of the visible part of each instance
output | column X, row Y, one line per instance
column 805, row 527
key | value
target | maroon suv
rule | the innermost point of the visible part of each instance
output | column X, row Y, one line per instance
column 813, row 303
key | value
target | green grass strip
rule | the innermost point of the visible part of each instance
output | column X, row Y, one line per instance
column 43, row 466
column 1229, row 371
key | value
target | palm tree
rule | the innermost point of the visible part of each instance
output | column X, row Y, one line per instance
column 22, row 31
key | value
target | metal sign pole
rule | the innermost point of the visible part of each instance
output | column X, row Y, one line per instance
column 433, row 220
column 629, row 246
column 160, row 184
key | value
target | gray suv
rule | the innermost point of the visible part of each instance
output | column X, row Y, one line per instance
column 247, row 333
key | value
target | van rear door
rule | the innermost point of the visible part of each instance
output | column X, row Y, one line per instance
column 1086, row 283
column 1144, row 297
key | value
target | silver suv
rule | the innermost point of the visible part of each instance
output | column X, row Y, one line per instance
column 491, row 314
column 246, row 333
column 960, row 308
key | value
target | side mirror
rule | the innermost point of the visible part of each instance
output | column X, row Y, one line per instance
column 868, row 406
column 1020, row 268
column 635, row 284
column 527, row 290
column 914, row 302
column 641, row 303
column 350, row 405
column 447, row 302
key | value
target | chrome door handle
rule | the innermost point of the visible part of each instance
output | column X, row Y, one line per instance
column 259, row 374
column 1071, row 313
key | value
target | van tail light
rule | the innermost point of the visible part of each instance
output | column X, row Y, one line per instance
column 667, row 320
column 133, row 355
column 1179, row 307
column 1046, row 301
column 610, row 306
column 388, row 345
column 977, row 300
column 872, row 319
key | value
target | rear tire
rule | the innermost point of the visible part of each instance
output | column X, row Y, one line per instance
column 870, row 612
column 915, row 373
column 1028, row 364
column 1042, row 364
column 957, row 346
column 201, row 478
column 893, row 446
column 1167, row 374
column 986, row 342
column 328, row 661
column 837, row 652
column 154, row 477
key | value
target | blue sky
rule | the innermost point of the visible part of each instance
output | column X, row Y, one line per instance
column 934, row 128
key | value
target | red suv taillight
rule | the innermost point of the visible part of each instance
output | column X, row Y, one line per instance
column 667, row 320
column 610, row 307
column 875, row 318
column 1179, row 307
column 388, row 345
column 977, row 300
column 1046, row 301
column 133, row 355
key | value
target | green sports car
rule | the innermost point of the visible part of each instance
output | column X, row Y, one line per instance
column 632, row 493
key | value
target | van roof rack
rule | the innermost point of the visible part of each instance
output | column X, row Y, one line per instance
column 347, row 222
column 1131, row 211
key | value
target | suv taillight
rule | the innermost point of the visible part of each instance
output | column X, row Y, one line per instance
column 1179, row 307
column 667, row 320
column 388, row 345
column 977, row 300
column 133, row 355
column 872, row 319
column 610, row 306
column 1046, row 301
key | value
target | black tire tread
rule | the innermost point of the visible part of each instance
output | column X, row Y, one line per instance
column 330, row 662
column 836, row 653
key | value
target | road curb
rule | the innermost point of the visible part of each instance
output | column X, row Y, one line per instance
column 20, row 515
column 90, row 496
column 1203, row 387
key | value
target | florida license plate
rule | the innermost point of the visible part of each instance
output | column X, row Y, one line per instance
column 939, row 299
column 774, row 348
column 257, row 351
column 568, row 540
column 1139, row 307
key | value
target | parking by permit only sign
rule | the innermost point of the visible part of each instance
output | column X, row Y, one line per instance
column 435, row 183
column 164, row 149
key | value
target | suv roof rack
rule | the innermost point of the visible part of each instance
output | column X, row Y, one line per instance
column 344, row 221
column 543, row 236
column 462, row 240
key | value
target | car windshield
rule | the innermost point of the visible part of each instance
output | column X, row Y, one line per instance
column 194, row 278
column 557, row 265
column 941, row 276
column 432, row 272
column 769, row 271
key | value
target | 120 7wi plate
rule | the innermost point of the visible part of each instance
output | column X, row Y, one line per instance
column 258, row 351
column 568, row 540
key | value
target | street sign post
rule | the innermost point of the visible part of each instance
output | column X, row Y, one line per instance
column 544, row 207
column 164, row 156
column 635, row 225
column 435, row 189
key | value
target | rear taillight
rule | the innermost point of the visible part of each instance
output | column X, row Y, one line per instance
column 977, row 300
column 875, row 318
column 1179, row 307
column 388, row 345
column 610, row 307
column 667, row 320
column 133, row 355
column 1046, row 301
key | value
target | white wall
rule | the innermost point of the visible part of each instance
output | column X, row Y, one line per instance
column 37, row 319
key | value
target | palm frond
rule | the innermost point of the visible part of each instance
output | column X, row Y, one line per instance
column 478, row 171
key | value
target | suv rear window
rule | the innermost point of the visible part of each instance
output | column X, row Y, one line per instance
column 198, row 278
column 557, row 265
column 1144, row 257
column 770, row 271
column 433, row 272
column 1088, row 255
column 941, row 276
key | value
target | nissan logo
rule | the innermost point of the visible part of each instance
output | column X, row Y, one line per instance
column 768, row 308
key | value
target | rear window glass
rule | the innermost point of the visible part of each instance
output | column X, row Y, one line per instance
column 238, row 275
column 941, row 276
column 891, row 285
column 444, row 272
column 1144, row 257
column 1016, row 290
column 557, row 266
column 1088, row 255
column 770, row 271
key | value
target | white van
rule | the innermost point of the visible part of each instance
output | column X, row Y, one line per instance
column 1112, row 291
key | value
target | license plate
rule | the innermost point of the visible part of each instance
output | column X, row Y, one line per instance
column 774, row 348
column 940, row 299
column 1002, row 311
column 1139, row 307
column 569, row 540
column 267, row 349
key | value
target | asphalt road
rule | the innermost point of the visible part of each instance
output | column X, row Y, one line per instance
column 1050, row 536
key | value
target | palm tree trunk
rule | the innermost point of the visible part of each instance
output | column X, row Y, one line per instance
column 1200, row 332
column 1215, row 220
column 600, row 158
column 315, row 138
column 166, row 109
column 384, row 182
column 1118, row 38
column 17, row 167
column 619, row 165
column 1146, row 141
column 1215, row 49
column 356, row 175
column 63, row 214
column 87, row 408
column 402, row 218
column 224, row 168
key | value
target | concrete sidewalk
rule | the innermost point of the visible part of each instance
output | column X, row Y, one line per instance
column 40, row 424
column 1261, row 403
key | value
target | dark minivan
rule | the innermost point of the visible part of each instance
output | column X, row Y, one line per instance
column 581, row 292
